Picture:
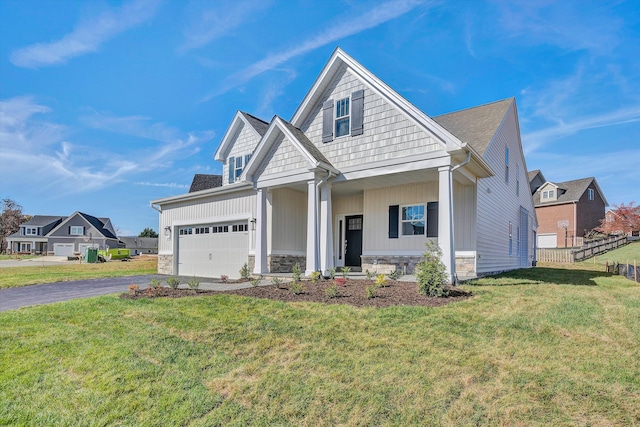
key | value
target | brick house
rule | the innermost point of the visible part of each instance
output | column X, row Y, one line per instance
column 566, row 211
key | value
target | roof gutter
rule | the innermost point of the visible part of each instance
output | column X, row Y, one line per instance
column 458, row 166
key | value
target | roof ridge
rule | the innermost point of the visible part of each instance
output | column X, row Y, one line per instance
column 477, row 106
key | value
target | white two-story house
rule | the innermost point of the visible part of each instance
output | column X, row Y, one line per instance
column 358, row 177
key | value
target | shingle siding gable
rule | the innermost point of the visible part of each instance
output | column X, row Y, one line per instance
column 245, row 142
column 386, row 133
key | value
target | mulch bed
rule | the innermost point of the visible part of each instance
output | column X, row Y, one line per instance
column 352, row 293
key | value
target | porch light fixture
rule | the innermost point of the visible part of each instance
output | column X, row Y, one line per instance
column 253, row 224
column 167, row 231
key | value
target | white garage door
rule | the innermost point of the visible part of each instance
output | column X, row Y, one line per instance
column 547, row 240
column 63, row 249
column 213, row 250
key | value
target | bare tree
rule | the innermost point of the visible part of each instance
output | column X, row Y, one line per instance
column 10, row 220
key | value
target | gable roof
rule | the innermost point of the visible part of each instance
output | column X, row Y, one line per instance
column 298, row 139
column 42, row 220
column 204, row 182
column 95, row 223
column 477, row 125
column 573, row 190
column 139, row 242
column 258, row 126
column 339, row 59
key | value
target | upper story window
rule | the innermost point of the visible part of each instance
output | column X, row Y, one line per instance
column 76, row 230
column 506, row 165
column 342, row 117
column 236, row 166
column 590, row 193
column 550, row 194
column 31, row 231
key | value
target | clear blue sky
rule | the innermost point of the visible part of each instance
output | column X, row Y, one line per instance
column 107, row 105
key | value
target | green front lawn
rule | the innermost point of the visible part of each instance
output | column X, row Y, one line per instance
column 11, row 277
column 536, row 347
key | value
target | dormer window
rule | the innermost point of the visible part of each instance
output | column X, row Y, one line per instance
column 342, row 117
column 31, row 231
column 236, row 166
column 550, row 194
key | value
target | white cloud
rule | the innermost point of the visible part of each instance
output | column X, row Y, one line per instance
column 86, row 37
column 342, row 28
column 532, row 141
column 219, row 21
column 167, row 184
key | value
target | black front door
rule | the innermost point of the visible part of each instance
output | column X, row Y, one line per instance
column 353, row 237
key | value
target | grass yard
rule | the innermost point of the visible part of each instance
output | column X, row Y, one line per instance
column 626, row 253
column 11, row 277
column 545, row 346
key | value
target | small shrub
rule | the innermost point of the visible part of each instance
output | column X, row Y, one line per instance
column 255, row 281
column 381, row 280
column 371, row 292
column 296, row 272
column 133, row 289
column 155, row 283
column 341, row 281
column 345, row 271
column 315, row 277
column 244, row 271
column 370, row 274
column 332, row 291
column 277, row 282
column 173, row 282
column 224, row 278
column 395, row 274
column 296, row 288
column 431, row 273
column 332, row 273
column 194, row 283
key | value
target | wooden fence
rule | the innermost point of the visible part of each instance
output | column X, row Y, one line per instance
column 588, row 250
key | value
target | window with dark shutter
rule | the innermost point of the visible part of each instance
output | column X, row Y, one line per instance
column 232, row 169
column 357, row 112
column 327, row 121
column 394, row 212
column 432, row 219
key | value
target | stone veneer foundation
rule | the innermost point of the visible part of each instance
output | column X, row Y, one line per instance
column 165, row 264
column 465, row 264
column 280, row 263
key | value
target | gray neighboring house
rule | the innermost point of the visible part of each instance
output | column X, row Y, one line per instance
column 140, row 245
column 63, row 236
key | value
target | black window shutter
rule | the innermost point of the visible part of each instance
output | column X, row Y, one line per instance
column 232, row 172
column 432, row 219
column 357, row 112
column 394, row 212
column 69, row 232
column 327, row 121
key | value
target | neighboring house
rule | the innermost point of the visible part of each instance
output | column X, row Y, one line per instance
column 624, row 217
column 358, row 177
column 63, row 236
column 140, row 245
column 566, row 211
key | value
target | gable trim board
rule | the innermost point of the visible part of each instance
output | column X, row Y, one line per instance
column 298, row 186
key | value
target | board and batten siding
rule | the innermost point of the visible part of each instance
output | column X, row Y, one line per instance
column 388, row 134
column 375, row 240
column 283, row 156
column 204, row 209
column 498, row 203
column 287, row 216
column 244, row 143
column 351, row 205
column 464, row 216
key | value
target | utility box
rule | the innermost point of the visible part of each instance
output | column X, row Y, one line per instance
column 91, row 256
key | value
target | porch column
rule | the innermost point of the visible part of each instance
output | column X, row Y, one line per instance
column 312, row 228
column 445, row 221
column 260, row 266
column 326, row 229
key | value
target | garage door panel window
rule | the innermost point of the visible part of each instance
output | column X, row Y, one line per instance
column 202, row 230
column 220, row 229
column 240, row 227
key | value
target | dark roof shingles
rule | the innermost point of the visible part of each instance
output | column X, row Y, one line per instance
column 205, row 182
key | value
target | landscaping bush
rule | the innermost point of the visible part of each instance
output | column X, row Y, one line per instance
column 255, row 281
column 296, row 272
column 381, row 280
column 277, row 282
column 173, row 282
column 296, row 288
column 332, row 291
column 395, row 274
column 345, row 271
column 244, row 271
column 431, row 272
column 371, row 291
column 315, row 277
column 194, row 283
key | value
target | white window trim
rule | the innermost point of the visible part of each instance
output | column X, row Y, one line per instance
column 73, row 230
column 400, row 220
column 590, row 193
column 336, row 118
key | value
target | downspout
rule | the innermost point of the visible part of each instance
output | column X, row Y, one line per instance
column 454, row 279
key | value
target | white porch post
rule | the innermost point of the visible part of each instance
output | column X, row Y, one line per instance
column 445, row 220
column 312, row 228
column 326, row 229
column 260, row 266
